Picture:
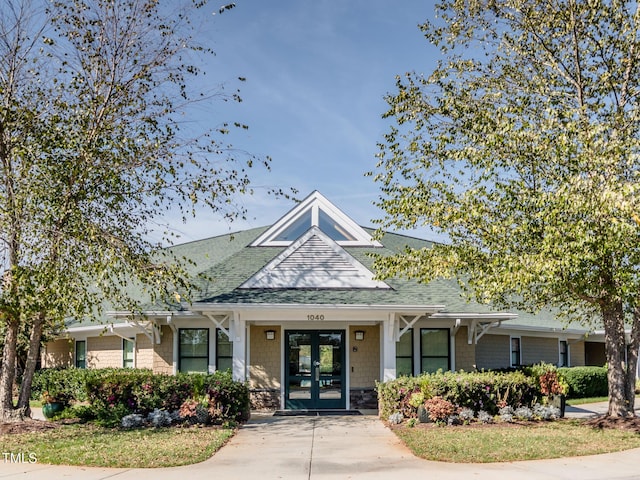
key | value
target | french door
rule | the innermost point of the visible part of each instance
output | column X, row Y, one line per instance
column 315, row 376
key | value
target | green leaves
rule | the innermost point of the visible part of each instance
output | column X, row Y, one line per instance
column 522, row 148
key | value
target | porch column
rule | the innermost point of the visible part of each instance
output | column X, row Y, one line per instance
column 389, row 338
column 239, row 339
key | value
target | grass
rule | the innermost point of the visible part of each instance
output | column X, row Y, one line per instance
column 509, row 442
column 89, row 445
column 582, row 401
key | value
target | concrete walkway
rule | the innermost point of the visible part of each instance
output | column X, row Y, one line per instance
column 338, row 447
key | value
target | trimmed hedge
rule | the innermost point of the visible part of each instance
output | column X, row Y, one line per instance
column 486, row 391
column 585, row 382
column 114, row 393
column 70, row 381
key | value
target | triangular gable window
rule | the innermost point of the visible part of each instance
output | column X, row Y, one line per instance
column 314, row 261
column 316, row 211
column 296, row 229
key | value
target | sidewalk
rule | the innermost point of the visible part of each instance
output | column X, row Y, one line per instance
column 338, row 447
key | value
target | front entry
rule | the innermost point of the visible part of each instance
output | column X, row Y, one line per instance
column 315, row 376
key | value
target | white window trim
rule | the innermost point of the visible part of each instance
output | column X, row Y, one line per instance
column 132, row 340
column 519, row 351
column 75, row 353
column 314, row 202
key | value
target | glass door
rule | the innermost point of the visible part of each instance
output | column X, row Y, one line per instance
column 315, row 371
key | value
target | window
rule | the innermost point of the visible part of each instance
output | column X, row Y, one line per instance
column 194, row 350
column 296, row 229
column 81, row 354
column 333, row 229
column 224, row 351
column 404, row 354
column 434, row 349
column 127, row 352
column 564, row 354
column 516, row 357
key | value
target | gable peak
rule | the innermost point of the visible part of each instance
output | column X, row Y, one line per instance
column 315, row 211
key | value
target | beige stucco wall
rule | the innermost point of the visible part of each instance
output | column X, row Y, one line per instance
column 365, row 363
column 57, row 353
column 493, row 351
column 465, row 353
column 538, row 349
column 104, row 352
column 265, row 358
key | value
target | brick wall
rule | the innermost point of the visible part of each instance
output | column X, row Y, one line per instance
column 265, row 359
column 465, row 353
column 365, row 363
column 493, row 351
column 104, row 352
column 57, row 353
column 537, row 349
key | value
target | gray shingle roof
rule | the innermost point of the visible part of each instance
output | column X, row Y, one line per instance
column 223, row 263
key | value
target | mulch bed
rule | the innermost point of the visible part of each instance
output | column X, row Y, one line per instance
column 33, row 426
column 630, row 423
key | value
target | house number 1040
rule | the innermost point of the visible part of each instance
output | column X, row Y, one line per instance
column 315, row 317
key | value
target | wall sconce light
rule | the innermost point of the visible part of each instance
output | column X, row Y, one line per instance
column 270, row 334
column 359, row 334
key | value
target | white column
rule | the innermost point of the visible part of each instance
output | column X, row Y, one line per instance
column 239, row 338
column 389, row 338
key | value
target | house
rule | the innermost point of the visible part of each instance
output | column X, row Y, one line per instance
column 295, row 310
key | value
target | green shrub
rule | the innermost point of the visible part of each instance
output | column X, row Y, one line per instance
column 71, row 381
column 585, row 382
column 122, row 392
column 116, row 392
column 478, row 391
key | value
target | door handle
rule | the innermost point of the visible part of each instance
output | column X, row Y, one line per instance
column 316, row 364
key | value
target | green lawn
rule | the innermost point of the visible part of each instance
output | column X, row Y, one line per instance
column 89, row 445
column 509, row 442
column 582, row 401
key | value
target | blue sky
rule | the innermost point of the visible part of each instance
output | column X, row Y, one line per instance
column 317, row 72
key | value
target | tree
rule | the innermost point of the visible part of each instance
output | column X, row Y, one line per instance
column 522, row 147
column 93, row 149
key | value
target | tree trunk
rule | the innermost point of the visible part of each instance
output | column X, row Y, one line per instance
column 632, row 359
column 617, row 374
column 8, row 372
column 30, row 365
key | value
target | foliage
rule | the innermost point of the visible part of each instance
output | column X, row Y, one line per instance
column 71, row 381
column 521, row 148
column 439, row 409
column 550, row 380
column 523, row 413
column 506, row 414
column 466, row 414
column 546, row 412
column 585, row 381
column 115, row 393
column 485, row 417
column 476, row 391
column 395, row 418
column 94, row 151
